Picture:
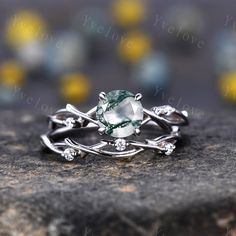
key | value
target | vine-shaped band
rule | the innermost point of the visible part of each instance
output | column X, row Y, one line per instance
column 119, row 114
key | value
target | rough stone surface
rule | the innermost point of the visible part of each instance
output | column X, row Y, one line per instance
column 192, row 192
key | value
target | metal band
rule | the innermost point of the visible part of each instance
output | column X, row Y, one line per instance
column 68, row 122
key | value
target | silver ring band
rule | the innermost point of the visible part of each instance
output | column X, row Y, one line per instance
column 69, row 125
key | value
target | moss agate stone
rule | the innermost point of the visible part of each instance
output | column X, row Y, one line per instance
column 120, row 114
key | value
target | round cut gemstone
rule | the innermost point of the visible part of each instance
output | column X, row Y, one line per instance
column 119, row 113
column 120, row 144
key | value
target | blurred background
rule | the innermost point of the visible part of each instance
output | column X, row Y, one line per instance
column 181, row 53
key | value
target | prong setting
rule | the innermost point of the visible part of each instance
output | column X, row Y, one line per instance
column 137, row 131
column 102, row 130
column 103, row 96
column 138, row 97
column 185, row 113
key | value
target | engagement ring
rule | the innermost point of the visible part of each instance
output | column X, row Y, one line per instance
column 118, row 116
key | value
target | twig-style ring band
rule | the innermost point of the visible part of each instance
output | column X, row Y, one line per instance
column 118, row 115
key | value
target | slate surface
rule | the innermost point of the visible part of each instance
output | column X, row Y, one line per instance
column 192, row 192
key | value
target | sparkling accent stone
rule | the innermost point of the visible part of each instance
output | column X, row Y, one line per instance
column 169, row 147
column 163, row 110
column 70, row 122
column 120, row 114
column 120, row 144
column 69, row 154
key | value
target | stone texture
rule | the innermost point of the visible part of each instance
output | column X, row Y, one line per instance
column 192, row 192
column 119, row 113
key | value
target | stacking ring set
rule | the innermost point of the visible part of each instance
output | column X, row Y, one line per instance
column 120, row 119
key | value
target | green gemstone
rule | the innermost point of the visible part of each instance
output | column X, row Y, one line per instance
column 120, row 114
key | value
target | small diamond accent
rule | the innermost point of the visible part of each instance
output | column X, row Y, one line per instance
column 163, row 110
column 169, row 147
column 120, row 144
column 70, row 122
column 69, row 154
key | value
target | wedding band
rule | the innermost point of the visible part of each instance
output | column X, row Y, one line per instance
column 118, row 116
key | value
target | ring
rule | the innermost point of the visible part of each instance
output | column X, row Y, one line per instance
column 118, row 116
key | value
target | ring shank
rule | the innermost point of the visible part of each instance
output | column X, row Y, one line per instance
column 62, row 136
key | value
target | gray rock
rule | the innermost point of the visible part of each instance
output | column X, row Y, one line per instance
column 192, row 192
